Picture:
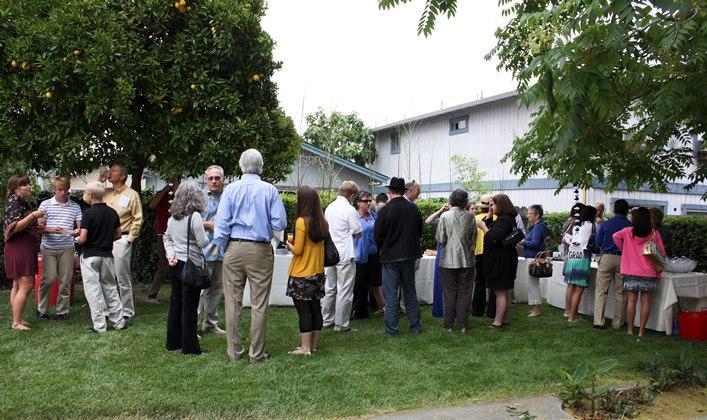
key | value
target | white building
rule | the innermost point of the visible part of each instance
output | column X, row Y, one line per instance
column 420, row 148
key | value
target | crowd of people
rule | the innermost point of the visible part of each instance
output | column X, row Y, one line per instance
column 228, row 232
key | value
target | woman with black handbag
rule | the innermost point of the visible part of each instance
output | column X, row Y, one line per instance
column 305, row 284
column 183, row 241
column 500, row 257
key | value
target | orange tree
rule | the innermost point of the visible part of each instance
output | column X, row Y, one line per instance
column 173, row 86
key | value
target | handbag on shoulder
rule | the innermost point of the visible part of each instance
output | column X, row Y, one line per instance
column 193, row 275
column 331, row 254
column 654, row 255
column 512, row 239
column 540, row 266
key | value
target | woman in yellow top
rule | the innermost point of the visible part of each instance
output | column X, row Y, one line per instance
column 306, row 274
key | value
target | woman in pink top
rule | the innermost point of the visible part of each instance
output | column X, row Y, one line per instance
column 639, row 274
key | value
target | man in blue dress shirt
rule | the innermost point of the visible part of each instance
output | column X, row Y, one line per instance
column 609, row 265
column 248, row 213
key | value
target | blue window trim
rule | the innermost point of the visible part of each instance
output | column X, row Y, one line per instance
column 455, row 120
column 394, row 150
column 701, row 208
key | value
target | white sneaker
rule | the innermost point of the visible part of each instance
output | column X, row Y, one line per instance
column 215, row 329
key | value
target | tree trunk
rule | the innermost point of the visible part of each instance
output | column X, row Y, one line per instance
column 136, row 174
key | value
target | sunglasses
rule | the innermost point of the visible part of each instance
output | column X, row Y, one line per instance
column 365, row 201
column 213, row 178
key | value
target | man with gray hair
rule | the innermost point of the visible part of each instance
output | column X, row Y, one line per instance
column 100, row 226
column 126, row 202
column 249, row 211
column 413, row 191
column 211, row 297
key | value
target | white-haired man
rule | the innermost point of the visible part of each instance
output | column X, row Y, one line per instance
column 100, row 226
column 126, row 202
column 211, row 297
column 344, row 226
column 248, row 213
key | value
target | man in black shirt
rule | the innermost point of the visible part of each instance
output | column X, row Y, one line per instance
column 397, row 232
column 100, row 226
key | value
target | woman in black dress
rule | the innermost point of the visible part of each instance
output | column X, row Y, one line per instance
column 500, row 263
column 21, row 245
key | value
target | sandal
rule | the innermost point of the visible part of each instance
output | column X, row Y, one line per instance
column 299, row 352
column 492, row 325
column 20, row 327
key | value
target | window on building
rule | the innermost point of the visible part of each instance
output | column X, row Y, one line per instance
column 394, row 143
column 459, row 125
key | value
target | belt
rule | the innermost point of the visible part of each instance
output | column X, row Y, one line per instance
column 611, row 252
column 250, row 241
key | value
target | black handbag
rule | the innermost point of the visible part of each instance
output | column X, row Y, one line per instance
column 193, row 275
column 512, row 239
column 331, row 254
column 540, row 266
column 591, row 244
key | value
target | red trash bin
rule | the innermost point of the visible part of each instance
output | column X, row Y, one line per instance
column 54, row 291
column 693, row 325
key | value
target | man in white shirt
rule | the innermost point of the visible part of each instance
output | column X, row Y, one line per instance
column 344, row 226
column 62, row 221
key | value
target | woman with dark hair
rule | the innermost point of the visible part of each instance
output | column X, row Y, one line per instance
column 566, row 238
column 306, row 274
column 21, row 245
column 533, row 244
column 456, row 232
column 657, row 223
column 639, row 274
column 500, row 262
column 186, row 209
column 576, row 270
column 368, row 271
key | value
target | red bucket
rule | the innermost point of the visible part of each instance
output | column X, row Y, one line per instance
column 54, row 290
column 693, row 325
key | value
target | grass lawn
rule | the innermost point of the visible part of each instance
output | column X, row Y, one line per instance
column 61, row 369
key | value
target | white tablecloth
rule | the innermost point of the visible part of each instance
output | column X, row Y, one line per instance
column 670, row 287
column 424, row 281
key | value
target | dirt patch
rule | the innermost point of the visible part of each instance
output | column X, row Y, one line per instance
column 677, row 404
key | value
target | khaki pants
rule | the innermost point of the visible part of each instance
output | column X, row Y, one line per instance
column 211, row 297
column 122, row 254
column 255, row 262
column 338, row 295
column 56, row 263
column 101, row 290
column 607, row 271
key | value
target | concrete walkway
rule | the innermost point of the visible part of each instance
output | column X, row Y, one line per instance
column 542, row 407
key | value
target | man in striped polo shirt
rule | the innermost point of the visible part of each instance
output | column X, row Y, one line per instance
column 62, row 222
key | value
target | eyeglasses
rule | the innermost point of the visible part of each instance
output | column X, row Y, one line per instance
column 213, row 178
column 365, row 201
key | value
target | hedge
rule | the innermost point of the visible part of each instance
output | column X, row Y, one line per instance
column 688, row 234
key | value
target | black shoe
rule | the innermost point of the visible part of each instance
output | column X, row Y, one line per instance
column 42, row 316
column 62, row 317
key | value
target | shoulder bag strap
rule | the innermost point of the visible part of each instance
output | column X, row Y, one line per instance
column 188, row 233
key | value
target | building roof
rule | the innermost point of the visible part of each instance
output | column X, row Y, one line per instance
column 449, row 110
column 376, row 176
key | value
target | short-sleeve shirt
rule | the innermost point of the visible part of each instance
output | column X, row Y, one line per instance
column 343, row 224
column 63, row 215
column 101, row 222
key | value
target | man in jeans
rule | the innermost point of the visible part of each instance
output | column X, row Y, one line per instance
column 99, row 228
column 608, row 268
column 61, row 222
column 397, row 232
column 344, row 226
column 211, row 297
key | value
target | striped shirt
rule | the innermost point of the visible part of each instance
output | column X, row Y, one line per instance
column 63, row 215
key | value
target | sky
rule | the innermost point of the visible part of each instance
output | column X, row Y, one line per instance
column 349, row 56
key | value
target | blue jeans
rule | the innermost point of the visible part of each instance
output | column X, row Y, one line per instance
column 397, row 274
